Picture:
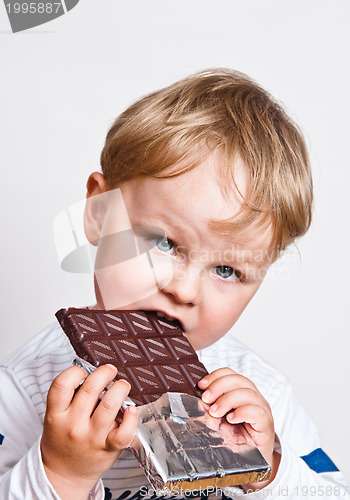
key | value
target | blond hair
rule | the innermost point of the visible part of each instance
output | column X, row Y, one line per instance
column 219, row 108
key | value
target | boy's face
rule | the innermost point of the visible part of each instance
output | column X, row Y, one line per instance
column 200, row 277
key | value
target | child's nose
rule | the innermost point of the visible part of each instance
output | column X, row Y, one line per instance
column 185, row 286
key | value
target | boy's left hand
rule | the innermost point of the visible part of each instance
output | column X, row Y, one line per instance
column 235, row 396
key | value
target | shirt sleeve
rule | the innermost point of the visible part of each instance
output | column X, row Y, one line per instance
column 22, row 474
column 305, row 470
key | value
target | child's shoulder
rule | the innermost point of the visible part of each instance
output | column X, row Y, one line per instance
column 49, row 346
column 29, row 371
column 230, row 352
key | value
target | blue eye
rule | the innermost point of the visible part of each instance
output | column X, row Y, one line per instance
column 165, row 245
column 227, row 273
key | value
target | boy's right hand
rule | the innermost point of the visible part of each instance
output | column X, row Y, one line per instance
column 81, row 440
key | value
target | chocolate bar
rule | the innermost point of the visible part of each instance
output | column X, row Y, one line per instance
column 179, row 445
column 152, row 353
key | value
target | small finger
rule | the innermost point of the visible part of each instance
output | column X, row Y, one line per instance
column 225, row 384
column 235, row 399
column 86, row 398
column 208, row 379
column 63, row 387
column 123, row 436
column 107, row 411
column 255, row 415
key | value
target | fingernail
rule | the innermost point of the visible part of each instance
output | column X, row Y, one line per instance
column 213, row 408
column 125, row 381
column 206, row 395
column 114, row 368
column 132, row 409
column 232, row 419
column 204, row 382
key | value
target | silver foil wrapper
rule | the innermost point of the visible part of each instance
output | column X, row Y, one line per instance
column 182, row 448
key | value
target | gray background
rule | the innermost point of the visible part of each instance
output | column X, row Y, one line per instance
column 63, row 83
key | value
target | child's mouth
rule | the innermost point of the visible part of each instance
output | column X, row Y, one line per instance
column 161, row 314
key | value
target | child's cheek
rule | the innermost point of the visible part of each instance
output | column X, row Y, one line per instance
column 132, row 280
column 126, row 282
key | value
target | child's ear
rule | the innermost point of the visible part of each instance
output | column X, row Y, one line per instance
column 95, row 206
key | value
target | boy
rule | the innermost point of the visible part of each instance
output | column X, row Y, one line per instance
column 219, row 178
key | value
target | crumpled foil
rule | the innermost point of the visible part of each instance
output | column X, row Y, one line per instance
column 182, row 448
